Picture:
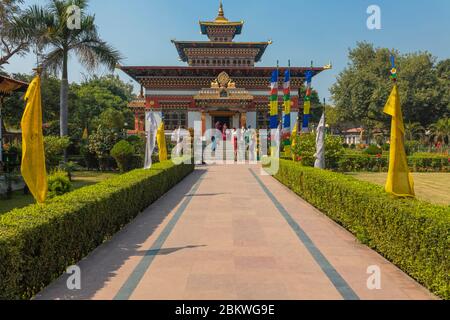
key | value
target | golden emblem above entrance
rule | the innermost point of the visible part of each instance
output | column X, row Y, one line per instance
column 223, row 88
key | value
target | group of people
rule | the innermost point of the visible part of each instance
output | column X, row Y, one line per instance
column 243, row 140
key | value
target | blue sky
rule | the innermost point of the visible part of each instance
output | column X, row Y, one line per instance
column 301, row 30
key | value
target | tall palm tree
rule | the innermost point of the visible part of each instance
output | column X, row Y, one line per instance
column 414, row 131
column 49, row 24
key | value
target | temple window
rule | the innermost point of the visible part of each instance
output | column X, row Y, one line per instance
column 175, row 119
column 262, row 120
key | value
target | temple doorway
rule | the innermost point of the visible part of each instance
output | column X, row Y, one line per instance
column 223, row 120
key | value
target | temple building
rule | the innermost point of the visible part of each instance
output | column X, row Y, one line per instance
column 219, row 84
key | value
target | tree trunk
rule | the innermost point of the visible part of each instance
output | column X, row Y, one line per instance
column 64, row 102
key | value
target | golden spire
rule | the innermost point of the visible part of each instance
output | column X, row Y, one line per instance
column 221, row 16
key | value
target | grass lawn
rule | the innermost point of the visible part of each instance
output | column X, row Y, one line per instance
column 80, row 179
column 431, row 187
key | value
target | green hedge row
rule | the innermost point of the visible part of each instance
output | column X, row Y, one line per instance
column 38, row 242
column 365, row 162
column 413, row 234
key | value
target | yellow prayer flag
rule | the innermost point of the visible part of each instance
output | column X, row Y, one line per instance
column 307, row 107
column 273, row 106
column 33, row 157
column 287, row 106
column 294, row 135
column 161, row 139
column 85, row 134
column 400, row 181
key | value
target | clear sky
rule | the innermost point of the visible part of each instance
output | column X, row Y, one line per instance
column 301, row 30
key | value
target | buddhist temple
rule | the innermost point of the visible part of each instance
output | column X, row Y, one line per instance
column 220, row 83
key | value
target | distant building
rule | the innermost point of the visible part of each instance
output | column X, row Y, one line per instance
column 353, row 136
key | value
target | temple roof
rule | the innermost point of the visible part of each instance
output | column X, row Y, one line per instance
column 182, row 45
column 139, row 72
column 221, row 21
column 8, row 85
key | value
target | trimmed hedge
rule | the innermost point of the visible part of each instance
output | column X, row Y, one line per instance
column 38, row 242
column 366, row 162
column 413, row 234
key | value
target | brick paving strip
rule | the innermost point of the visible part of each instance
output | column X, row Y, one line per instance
column 226, row 232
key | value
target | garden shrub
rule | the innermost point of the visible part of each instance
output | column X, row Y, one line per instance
column 58, row 183
column 373, row 150
column 54, row 147
column 123, row 153
column 413, row 234
column 38, row 242
column 365, row 162
column 305, row 150
column 412, row 146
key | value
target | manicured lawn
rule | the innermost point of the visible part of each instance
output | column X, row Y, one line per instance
column 432, row 187
column 80, row 179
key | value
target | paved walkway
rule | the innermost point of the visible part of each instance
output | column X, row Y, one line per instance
column 227, row 232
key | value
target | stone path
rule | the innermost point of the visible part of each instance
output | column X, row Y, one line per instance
column 227, row 232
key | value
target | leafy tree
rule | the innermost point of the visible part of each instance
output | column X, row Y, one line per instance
column 15, row 105
column 96, row 95
column 49, row 24
column 362, row 89
column 112, row 119
column 54, row 148
column 101, row 142
column 333, row 117
column 13, row 39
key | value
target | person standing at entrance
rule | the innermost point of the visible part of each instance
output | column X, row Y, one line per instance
column 235, row 143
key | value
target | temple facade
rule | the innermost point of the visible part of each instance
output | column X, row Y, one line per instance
column 221, row 82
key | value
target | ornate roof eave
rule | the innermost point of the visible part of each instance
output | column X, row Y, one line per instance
column 238, row 25
column 137, row 103
column 9, row 85
column 181, row 45
column 140, row 72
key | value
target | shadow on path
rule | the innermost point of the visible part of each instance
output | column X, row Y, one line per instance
column 103, row 263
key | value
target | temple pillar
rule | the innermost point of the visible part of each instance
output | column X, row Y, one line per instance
column 251, row 120
column 243, row 120
column 136, row 122
column 193, row 116
column 235, row 123
column 203, row 122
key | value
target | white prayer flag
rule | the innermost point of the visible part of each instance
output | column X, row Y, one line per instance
column 320, row 144
column 152, row 129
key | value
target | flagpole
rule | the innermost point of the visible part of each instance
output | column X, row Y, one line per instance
column 324, row 111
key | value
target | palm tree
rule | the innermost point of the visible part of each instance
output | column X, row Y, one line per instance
column 12, row 40
column 440, row 132
column 414, row 131
column 49, row 24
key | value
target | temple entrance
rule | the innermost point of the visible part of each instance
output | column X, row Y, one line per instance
column 222, row 120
